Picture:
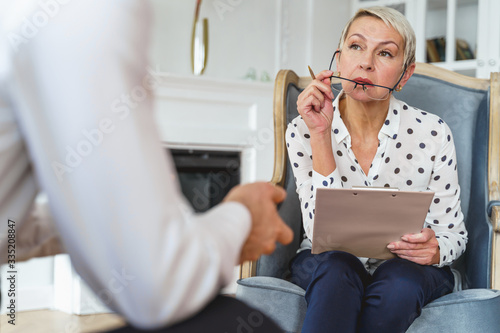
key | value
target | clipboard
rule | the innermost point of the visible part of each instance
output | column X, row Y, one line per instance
column 363, row 221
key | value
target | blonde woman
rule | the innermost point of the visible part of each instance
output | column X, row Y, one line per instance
column 364, row 136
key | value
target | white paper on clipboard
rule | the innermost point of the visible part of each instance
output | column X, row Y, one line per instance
column 364, row 221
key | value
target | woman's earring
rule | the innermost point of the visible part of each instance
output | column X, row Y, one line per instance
column 399, row 88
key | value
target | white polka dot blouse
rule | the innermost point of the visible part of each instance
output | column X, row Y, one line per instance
column 415, row 153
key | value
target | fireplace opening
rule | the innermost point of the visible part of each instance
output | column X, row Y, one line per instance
column 206, row 176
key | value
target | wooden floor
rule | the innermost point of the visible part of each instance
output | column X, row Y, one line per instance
column 47, row 321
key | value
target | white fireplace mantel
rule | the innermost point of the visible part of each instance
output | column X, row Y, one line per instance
column 218, row 114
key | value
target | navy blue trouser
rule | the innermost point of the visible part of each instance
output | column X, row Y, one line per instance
column 343, row 297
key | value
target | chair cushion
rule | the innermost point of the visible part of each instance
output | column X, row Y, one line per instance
column 269, row 295
column 472, row 310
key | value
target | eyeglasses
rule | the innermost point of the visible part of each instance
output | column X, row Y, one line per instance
column 373, row 91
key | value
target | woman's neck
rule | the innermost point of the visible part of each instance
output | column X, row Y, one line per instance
column 363, row 119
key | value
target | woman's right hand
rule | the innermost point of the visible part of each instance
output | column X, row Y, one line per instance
column 314, row 104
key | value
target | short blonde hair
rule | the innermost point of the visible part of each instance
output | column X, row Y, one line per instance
column 391, row 18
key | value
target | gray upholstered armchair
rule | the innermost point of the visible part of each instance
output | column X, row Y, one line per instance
column 471, row 107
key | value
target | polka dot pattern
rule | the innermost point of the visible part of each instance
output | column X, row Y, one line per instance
column 415, row 152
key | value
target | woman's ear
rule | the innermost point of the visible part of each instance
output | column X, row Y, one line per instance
column 408, row 73
column 337, row 60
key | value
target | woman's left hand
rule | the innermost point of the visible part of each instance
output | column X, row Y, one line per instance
column 422, row 248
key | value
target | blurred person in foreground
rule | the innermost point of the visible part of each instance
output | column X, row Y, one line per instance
column 76, row 122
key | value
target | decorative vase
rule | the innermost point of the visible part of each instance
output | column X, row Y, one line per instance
column 199, row 46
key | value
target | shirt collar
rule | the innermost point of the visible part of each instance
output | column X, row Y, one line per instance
column 390, row 127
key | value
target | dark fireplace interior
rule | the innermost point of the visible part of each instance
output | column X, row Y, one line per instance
column 206, row 176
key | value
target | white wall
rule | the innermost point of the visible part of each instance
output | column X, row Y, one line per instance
column 329, row 18
column 241, row 35
column 263, row 34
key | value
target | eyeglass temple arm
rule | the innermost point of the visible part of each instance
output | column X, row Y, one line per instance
column 400, row 78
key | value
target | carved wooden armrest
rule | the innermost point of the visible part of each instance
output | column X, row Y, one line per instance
column 283, row 79
column 495, row 257
column 495, row 218
column 248, row 269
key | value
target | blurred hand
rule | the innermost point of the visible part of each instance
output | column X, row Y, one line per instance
column 314, row 104
column 267, row 226
column 422, row 248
